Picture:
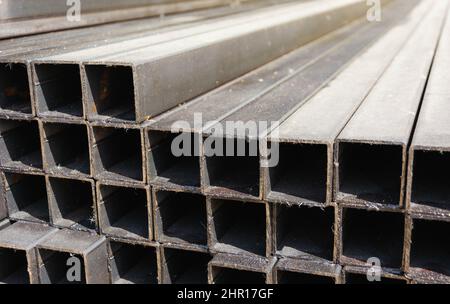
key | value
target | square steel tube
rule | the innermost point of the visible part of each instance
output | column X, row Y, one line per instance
column 427, row 250
column 57, row 89
column 363, row 234
column 25, row 196
column 65, row 149
column 72, row 203
column 238, row 269
column 20, row 147
column 239, row 227
column 147, row 72
column 15, row 97
column 428, row 182
column 302, row 175
column 370, row 174
column 180, row 218
column 304, row 232
column 117, row 154
column 173, row 160
column 229, row 173
column 124, row 212
column 133, row 263
column 299, row 271
column 58, row 255
column 18, row 263
column 181, row 266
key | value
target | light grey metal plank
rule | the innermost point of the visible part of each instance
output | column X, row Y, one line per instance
column 371, row 149
column 322, row 118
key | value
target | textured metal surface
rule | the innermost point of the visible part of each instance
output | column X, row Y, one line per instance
column 235, row 269
column 304, row 174
column 371, row 150
column 298, row 271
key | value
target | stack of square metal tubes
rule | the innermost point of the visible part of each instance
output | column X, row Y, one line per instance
column 117, row 156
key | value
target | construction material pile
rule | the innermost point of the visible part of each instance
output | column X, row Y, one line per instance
column 117, row 155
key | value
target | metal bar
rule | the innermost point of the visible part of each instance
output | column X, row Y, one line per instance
column 294, row 271
column 359, row 241
column 117, row 154
column 125, row 212
column 23, row 204
column 429, row 157
column 44, row 23
column 240, row 176
column 304, row 233
column 237, row 227
column 305, row 141
column 183, row 172
column 148, row 66
column 179, row 266
column 72, row 203
column 20, row 145
column 427, row 257
column 133, row 264
column 180, row 218
column 59, row 89
column 65, row 149
column 371, row 150
column 235, row 269
column 91, row 250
